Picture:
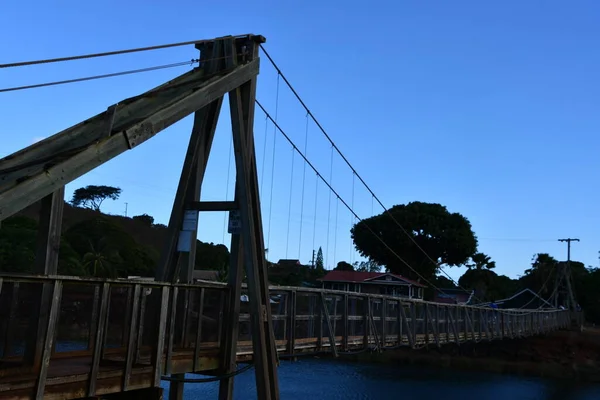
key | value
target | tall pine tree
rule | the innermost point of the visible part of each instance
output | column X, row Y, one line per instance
column 319, row 263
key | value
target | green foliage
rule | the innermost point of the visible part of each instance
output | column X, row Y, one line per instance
column 18, row 237
column 92, row 196
column 344, row 266
column 367, row 266
column 144, row 219
column 446, row 237
column 481, row 261
column 319, row 264
column 211, row 256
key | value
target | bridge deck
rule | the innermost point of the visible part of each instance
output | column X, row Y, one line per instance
column 102, row 337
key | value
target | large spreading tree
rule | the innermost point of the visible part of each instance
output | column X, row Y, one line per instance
column 446, row 237
column 92, row 196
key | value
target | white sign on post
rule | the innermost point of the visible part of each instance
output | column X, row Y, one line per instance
column 235, row 222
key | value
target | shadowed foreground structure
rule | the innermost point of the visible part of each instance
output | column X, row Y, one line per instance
column 68, row 337
column 99, row 340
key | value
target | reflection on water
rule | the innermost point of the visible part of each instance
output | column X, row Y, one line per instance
column 317, row 379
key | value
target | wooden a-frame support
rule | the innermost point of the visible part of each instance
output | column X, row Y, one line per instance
column 247, row 246
column 229, row 65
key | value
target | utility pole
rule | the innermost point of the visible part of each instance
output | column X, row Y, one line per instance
column 312, row 263
column 126, row 208
column 566, row 275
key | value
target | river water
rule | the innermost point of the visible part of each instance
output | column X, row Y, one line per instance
column 320, row 379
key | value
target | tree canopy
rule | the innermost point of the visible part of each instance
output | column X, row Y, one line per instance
column 446, row 237
column 344, row 266
column 92, row 196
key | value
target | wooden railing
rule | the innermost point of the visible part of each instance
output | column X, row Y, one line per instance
column 61, row 337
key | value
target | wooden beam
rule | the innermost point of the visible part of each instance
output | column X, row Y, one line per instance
column 241, row 105
column 190, row 183
column 150, row 121
column 213, row 206
column 49, row 231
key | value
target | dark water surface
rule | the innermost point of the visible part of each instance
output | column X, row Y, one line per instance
column 320, row 379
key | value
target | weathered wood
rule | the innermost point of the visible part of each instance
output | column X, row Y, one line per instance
column 161, row 329
column 171, row 333
column 131, row 336
column 49, row 339
column 329, row 326
column 100, row 326
column 49, row 231
column 213, row 206
column 199, row 328
column 345, row 324
column 291, row 329
column 149, row 123
column 241, row 105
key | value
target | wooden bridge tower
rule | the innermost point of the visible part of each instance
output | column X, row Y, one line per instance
column 228, row 66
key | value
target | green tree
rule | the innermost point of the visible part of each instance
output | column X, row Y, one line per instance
column 211, row 256
column 367, row 266
column 319, row 264
column 18, row 236
column 144, row 219
column 444, row 236
column 481, row 261
column 344, row 266
column 100, row 260
column 92, row 196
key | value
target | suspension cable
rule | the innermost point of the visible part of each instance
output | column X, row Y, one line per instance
column 302, row 196
column 273, row 162
column 329, row 210
column 287, row 241
column 89, row 78
column 334, row 146
column 107, row 53
column 315, row 215
column 328, row 184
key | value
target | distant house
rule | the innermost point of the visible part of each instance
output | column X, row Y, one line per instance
column 526, row 299
column 374, row 283
column 453, row 296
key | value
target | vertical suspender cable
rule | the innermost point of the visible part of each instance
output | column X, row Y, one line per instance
column 262, row 170
column 287, row 241
column 315, row 216
column 352, row 220
column 302, row 197
column 273, row 163
column 335, row 232
column 227, row 189
column 329, row 209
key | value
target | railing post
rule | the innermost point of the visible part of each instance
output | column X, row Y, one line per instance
column 291, row 331
column 345, row 323
column 51, row 327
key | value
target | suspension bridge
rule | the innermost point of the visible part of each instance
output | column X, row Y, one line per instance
column 139, row 332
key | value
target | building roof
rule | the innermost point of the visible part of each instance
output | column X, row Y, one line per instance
column 205, row 275
column 357, row 276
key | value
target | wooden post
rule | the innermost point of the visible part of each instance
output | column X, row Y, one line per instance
column 345, row 323
column 46, row 263
column 241, row 105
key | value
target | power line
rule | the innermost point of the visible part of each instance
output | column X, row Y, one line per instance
column 108, row 53
column 89, row 78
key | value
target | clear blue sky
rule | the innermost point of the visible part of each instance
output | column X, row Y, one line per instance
column 490, row 108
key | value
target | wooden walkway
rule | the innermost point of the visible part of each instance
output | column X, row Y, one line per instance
column 100, row 337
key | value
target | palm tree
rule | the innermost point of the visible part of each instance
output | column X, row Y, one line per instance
column 100, row 260
column 481, row 261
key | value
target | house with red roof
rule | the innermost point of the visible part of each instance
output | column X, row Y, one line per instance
column 383, row 283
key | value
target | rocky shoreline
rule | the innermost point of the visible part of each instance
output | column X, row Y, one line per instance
column 567, row 355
